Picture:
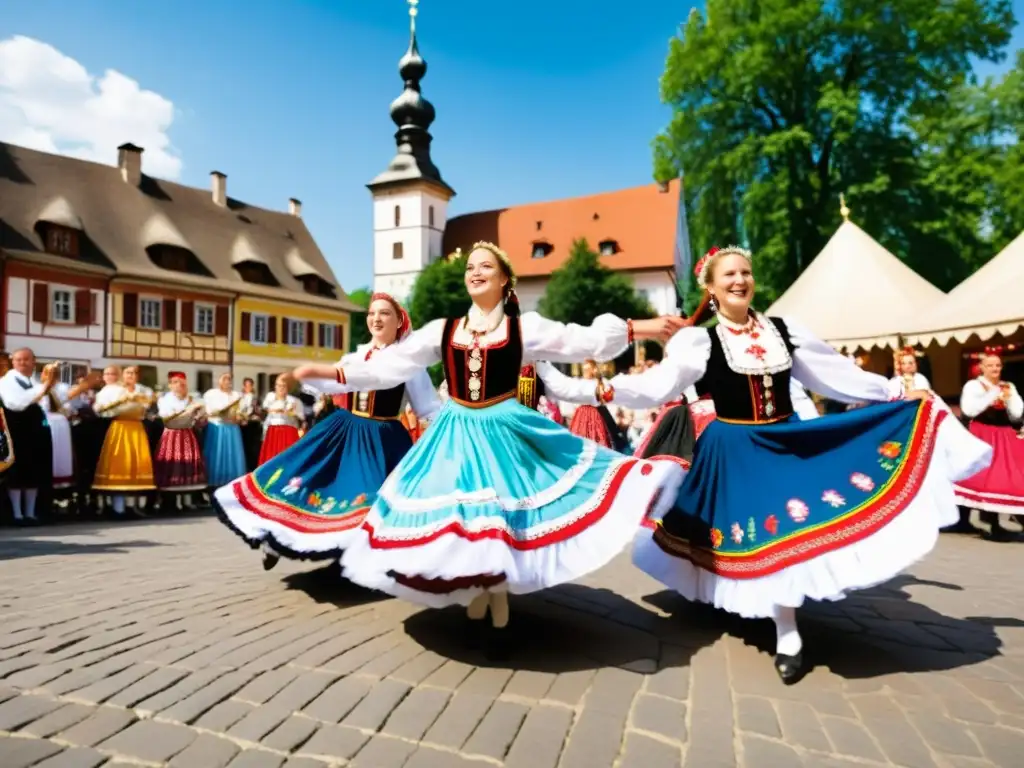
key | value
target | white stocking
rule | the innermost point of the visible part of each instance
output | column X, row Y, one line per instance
column 15, row 496
column 499, row 609
column 30, row 503
column 788, row 640
column 477, row 609
column 118, row 504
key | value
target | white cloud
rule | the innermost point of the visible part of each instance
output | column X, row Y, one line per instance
column 48, row 101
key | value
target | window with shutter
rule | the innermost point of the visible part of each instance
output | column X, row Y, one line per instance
column 130, row 309
column 188, row 316
column 223, row 320
column 83, row 307
column 170, row 308
column 308, row 338
column 272, row 329
column 245, row 331
column 320, row 336
column 40, row 303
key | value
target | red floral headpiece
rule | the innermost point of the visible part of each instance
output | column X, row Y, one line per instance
column 703, row 268
column 404, row 323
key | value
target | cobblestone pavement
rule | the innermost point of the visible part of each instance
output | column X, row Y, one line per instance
column 166, row 644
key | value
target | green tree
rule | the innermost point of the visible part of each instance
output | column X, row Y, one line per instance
column 583, row 288
column 439, row 291
column 360, row 334
column 779, row 105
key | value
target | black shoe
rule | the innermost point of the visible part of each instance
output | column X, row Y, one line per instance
column 998, row 533
column 270, row 560
column 499, row 646
column 790, row 668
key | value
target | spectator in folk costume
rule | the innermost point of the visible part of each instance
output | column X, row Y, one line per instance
column 994, row 407
column 6, row 444
column 58, row 405
column 284, row 414
column 223, row 449
column 125, row 468
column 22, row 393
column 88, row 431
column 179, row 465
column 250, row 416
column 907, row 378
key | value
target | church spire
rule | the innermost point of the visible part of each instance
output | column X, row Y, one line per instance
column 413, row 115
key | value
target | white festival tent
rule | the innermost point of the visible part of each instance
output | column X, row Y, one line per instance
column 990, row 301
column 856, row 294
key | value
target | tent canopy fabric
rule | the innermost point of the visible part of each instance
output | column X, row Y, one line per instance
column 856, row 294
column 990, row 301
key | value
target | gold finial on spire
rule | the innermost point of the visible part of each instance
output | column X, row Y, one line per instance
column 413, row 10
column 843, row 210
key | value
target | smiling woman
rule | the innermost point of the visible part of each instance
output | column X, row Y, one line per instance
column 842, row 502
column 496, row 498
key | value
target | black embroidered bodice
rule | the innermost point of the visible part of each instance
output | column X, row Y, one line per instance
column 747, row 398
column 994, row 416
column 378, row 404
column 479, row 375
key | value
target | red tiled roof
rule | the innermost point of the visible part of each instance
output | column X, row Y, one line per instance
column 641, row 220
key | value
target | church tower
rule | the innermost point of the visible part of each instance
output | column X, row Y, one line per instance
column 410, row 199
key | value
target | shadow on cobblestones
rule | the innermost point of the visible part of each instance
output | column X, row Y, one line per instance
column 873, row 633
column 13, row 548
column 549, row 635
column 325, row 585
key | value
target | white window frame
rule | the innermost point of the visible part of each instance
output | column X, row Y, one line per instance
column 197, row 309
column 253, row 318
column 539, row 251
column 607, row 248
column 159, row 313
column 54, row 290
column 330, row 343
column 300, row 333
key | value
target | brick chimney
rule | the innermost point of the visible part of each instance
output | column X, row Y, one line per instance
column 129, row 162
column 294, row 207
column 219, row 187
column 663, row 186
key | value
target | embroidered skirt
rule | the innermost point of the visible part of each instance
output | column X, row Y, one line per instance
column 63, row 451
column 501, row 498
column 278, row 438
column 125, row 462
column 999, row 487
column 588, row 423
column 223, row 453
column 775, row 514
column 307, row 501
column 179, row 462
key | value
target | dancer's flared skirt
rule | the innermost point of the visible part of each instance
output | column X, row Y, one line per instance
column 308, row 501
column 223, row 453
column 277, row 439
column 179, row 462
column 776, row 514
column 501, row 498
column 588, row 423
column 125, row 464
column 1000, row 486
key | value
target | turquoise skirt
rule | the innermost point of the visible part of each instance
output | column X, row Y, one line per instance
column 223, row 454
column 502, row 498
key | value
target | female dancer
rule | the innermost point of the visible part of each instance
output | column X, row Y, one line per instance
column 993, row 406
column 907, row 378
column 284, row 414
column 179, row 468
column 125, row 467
column 222, row 446
column 494, row 498
column 307, row 501
column 841, row 503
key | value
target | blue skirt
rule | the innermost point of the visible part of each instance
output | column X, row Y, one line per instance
column 501, row 497
column 223, row 453
column 306, row 502
column 772, row 514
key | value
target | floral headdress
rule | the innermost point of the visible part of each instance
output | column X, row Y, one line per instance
column 703, row 269
column 404, row 323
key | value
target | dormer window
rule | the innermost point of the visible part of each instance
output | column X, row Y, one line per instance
column 540, row 250
column 61, row 241
column 608, row 247
column 174, row 258
column 317, row 286
column 257, row 273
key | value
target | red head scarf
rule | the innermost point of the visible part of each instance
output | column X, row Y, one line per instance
column 176, row 375
column 404, row 323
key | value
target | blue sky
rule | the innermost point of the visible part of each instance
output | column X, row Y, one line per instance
column 535, row 99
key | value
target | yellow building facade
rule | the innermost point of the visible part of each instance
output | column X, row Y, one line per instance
column 271, row 337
